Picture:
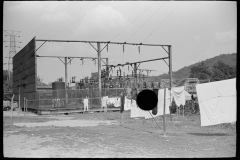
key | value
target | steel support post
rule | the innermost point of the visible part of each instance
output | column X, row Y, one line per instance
column 66, row 80
column 170, row 75
column 99, row 72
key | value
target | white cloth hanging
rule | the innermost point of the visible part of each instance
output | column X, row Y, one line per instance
column 217, row 102
column 85, row 104
column 117, row 102
column 135, row 110
column 127, row 104
column 160, row 104
column 104, row 101
column 178, row 93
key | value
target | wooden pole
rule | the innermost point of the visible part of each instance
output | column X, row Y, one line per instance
column 135, row 75
column 66, row 80
column 24, row 107
column 99, row 72
column 19, row 101
column 183, row 110
column 164, row 125
column 170, row 75
column 12, row 111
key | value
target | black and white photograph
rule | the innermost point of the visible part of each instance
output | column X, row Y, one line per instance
column 119, row 79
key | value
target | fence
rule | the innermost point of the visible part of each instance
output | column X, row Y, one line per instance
column 71, row 99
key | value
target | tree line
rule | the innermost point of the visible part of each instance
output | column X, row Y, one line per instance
column 219, row 71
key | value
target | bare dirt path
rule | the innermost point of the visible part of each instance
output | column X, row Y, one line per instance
column 103, row 135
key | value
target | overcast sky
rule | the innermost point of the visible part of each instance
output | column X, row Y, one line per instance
column 196, row 30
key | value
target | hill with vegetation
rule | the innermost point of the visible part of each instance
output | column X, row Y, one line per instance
column 228, row 59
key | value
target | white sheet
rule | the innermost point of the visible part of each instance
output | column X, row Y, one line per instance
column 127, row 104
column 178, row 93
column 217, row 102
column 161, row 104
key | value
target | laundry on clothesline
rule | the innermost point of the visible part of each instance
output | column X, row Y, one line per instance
column 85, row 104
column 178, row 94
column 104, row 102
column 217, row 102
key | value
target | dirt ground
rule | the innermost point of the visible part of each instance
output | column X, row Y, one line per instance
column 107, row 135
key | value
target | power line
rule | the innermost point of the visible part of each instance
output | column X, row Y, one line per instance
column 146, row 21
column 132, row 22
column 42, row 26
column 66, row 20
column 72, row 23
column 162, row 22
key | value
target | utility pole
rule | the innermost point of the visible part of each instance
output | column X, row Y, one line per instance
column 66, row 80
column 12, row 47
column 99, row 72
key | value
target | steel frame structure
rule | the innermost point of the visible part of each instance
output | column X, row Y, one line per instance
column 98, row 49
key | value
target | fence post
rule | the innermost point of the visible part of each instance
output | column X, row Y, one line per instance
column 183, row 110
column 164, row 127
column 38, row 101
column 12, row 111
column 18, row 100
column 24, row 107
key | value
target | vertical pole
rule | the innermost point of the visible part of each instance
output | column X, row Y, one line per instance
column 76, row 95
column 164, row 104
column 38, row 101
column 24, row 106
column 183, row 110
column 66, row 81
column 99, row 72
column 107, row 68
column 135, row 74
column 170, row 75
column 19, row 100
column 12, row 111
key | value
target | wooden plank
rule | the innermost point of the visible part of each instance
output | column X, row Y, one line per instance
column 31, row 53
column 17, row 70
column 30, row 87
column 24, row 50
column 17, row 63
column 28, row 72
column 25, row 65
column 32, row 43
column 30, row 79
column 15, row 83
column 31, row 95
column 31, row 70
column 25, row 58
column 31, row 62
column 17, row 56
column 15, row 91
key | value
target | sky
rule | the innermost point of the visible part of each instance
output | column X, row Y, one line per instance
column 196, row 30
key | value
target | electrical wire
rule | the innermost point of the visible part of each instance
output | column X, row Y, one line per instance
column 161, row 23
column 66, row 20
column 73, row 22
column 42, row 26
column 132, row 22
column 146, row 22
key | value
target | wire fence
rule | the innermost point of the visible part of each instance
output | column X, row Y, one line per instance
column 72, row 99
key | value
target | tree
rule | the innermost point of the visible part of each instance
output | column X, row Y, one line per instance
column 39, row 82
column 221, row 71
column 200, row 71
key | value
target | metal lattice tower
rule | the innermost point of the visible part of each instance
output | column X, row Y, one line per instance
column 12, row 47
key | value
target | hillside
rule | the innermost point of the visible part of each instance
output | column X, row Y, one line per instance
column 229, row 59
